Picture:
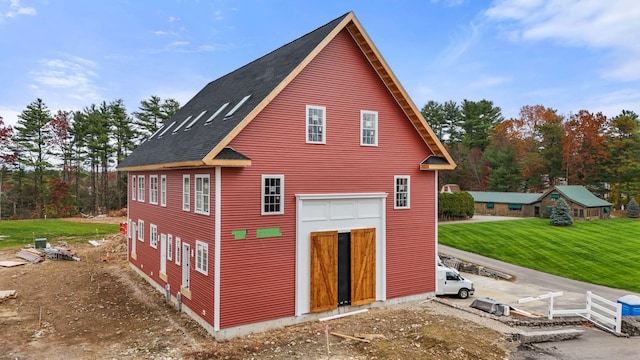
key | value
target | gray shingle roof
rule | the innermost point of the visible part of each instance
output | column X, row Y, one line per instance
column 258, row 79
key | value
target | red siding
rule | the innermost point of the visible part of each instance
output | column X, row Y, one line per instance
column 258, row 275
column 189, row 226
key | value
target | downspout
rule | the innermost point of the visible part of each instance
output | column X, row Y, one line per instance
column 216, row 260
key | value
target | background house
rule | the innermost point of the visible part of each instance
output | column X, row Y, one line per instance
column 288, row 189
column 584, row 205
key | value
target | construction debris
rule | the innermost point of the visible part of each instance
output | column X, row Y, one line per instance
column 368, row 336
column 10, row 263
column 32, row 255
column 349, row 337
column 60, row 253
column 7, row 294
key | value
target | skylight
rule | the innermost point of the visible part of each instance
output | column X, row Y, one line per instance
column 216, row 113
column 157, row 131
column 182, row 124
column 235, row 108
column 167, row 129
column 194, row 121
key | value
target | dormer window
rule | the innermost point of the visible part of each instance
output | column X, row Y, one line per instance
column 316, row 131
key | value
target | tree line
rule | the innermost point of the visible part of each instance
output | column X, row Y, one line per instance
column 538, row 149
column 63, row 164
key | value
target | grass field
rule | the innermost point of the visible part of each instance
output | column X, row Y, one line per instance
column 23, row 232
column 604, row 252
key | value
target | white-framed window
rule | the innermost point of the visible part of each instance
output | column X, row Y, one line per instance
column 153, row 236
column 272, row 194
column 186, row 193
column 316, row 124
column 141, row 230
column 163, row 190
column 202, row 194
column 178, row 250
column 141, row 188
column 202, row 257
column 169, row 247
column 368, row 128
column 401, row 192
column 153, row 189
column 133, row 187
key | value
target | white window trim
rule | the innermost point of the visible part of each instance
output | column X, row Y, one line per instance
column 178, row 250
column 262, row 193
column 153, row 236
column 169, row 247
column 163, row 190
column 362, row 128
column 153, row 189
column 134, row 187
column 324, row 124
column 141, row 188
column 202, row 268
column 141, row 230
column 395, row 191
column 186, row 206
column 201, row 194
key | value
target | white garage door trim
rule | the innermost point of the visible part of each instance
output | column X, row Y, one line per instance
column 342, row 212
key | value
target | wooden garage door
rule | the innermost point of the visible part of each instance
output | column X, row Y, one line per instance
column 363, row 266
column 324, row 271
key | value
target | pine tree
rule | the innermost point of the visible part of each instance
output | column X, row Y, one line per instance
column 633, row 209
column 561, row 214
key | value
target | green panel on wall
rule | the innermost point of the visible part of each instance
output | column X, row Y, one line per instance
column 268, row 232
column 239, row 234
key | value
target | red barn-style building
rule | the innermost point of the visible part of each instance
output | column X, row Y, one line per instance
column 301, row 185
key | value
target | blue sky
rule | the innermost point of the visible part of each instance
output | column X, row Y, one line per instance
column 563, row 54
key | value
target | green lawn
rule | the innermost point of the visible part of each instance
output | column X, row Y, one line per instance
column 604, row 252
column 22, row 232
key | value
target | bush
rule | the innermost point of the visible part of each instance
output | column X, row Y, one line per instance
column 561, row 214
column 459, row 205
column 633, row 209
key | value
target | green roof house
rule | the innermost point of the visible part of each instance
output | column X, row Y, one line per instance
column 584, row 205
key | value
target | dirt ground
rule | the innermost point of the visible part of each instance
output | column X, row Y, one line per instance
column 94, row 309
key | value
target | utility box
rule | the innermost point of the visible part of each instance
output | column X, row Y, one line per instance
column 41, row 243
column 630, row 305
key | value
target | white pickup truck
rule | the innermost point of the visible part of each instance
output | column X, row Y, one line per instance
column 450, row 282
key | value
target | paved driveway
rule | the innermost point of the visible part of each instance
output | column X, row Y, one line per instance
column 594, row 344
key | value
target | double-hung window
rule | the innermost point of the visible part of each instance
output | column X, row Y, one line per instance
column 202, row 194
column 186, row 193
column 202, row 253
column 133, row 187
column 368, row 128
column 141, row 188
column 141, row 230
column 401, row 192
column 316, row 125
column 178, row 250
column 153, row 236
column 153, row 189
column 163, row 190
column 272, row 194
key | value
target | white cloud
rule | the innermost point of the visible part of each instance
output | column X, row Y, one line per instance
column 9, row 115
column 459, row 47
column 15, row 9
column 596, row 24
column 72, row 76
column 489, row 81
column 219, row 15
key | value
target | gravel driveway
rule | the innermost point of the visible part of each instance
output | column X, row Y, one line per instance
column 594, row 344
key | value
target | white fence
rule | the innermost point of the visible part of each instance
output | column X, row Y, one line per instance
column 600, row 311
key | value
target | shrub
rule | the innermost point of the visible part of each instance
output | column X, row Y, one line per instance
column 633, row 209
column 561, row 214
column 459, row 205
